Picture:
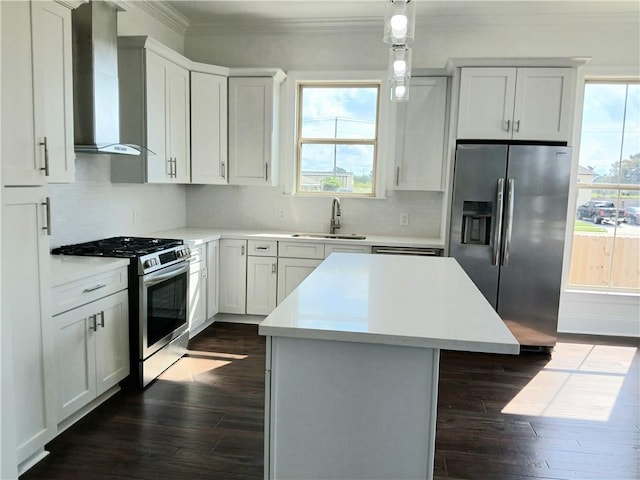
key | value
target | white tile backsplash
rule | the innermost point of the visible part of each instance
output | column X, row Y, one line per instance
column 94, row 208
column 237, row 207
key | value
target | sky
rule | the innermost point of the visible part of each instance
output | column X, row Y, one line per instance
column 610, row 110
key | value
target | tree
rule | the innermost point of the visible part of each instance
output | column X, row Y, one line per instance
column 626, row 171
column 330, row 184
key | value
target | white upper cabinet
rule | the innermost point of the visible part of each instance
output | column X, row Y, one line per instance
column 516, row 103
column 208, row 129
column 253, row 128
column 155, row 113
column 420, row 136
column 53, row 90
column 37, row 116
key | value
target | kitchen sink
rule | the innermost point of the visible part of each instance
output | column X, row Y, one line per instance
column 338, row 236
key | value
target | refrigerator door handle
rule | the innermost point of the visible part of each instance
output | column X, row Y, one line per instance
column 497, row 231
column 509, row 222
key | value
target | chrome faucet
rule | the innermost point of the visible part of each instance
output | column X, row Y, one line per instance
column 335, row 215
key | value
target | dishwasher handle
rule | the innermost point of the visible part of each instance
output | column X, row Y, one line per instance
column 424, row 252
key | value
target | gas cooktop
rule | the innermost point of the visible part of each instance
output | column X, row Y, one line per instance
column 125, row 247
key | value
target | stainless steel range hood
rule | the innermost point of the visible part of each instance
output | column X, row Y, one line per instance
column 95, row 75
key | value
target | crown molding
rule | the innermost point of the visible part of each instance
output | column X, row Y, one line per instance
column 162, row 12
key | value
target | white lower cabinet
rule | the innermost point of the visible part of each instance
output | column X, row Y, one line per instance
column 329, row 248
column 91, row 342
column 292, row 271
column 26, row 317
column 92, row 351
column 213, row 269
column 262, row 274
column 233, row 276
column 197, row 289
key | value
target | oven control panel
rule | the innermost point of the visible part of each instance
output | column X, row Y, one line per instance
column 157, row 260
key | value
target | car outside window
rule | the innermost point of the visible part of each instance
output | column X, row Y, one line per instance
column 337, row 133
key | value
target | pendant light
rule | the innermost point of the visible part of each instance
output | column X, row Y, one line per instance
column 399, row 28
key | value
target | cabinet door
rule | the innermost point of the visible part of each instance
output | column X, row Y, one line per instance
column 112, row 340
column 486, row 103
column 25, row 303
column 233, row 276
column 261, row 285
column 208, row 129
column 197, row 300
column 53, row 85
column 250, row 130
column 22, row 156
column 420, row 135
column 542, row 104
column 213, row 269
column 75, row 359
column 292, row 271
column 158, row 166
column 178, row 123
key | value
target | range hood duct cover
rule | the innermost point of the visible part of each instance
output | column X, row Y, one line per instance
column 96, row 101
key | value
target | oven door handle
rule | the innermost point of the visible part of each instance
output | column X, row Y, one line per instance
column 164, row 274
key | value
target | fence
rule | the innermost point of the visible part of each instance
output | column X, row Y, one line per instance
column 594, row 261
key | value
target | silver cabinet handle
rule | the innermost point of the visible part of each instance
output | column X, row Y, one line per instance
column 242, row 250
column 93, row 289
column 93, row 325
column 101, row 315
column 274, row 268
column 516, row 126
column 169, row 167
column 46, row 157
column 261, row 247
column 397, row 176
column 47, row 209
column 223, row 172
column 508, row 128
column 266, row 171
column 497, row 233
column 509, row 221
column 175, row 167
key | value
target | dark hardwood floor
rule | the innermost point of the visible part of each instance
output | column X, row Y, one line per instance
column 574, row 415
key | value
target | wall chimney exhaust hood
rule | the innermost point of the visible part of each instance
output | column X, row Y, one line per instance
column 95, row 75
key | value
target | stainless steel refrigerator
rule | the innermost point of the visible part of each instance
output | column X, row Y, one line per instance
column 507, row 231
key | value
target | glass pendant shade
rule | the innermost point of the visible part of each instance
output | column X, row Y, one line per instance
column 399, row 91
column 399, row 62
column 400, row 21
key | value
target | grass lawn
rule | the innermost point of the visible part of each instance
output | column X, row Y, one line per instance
column 582, row 226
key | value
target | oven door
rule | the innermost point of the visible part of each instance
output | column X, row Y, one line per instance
column 163, row 307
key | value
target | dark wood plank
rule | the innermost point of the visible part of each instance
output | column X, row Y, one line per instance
column 204, row 417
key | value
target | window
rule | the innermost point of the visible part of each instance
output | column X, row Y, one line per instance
column 606, row 238
column 337, row 138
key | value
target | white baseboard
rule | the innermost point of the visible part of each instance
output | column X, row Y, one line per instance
column 238, row 318
column 592, row 313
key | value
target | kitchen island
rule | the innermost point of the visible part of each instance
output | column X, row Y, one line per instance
column 352, row 365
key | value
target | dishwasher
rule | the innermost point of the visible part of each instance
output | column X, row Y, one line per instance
column 422, row 251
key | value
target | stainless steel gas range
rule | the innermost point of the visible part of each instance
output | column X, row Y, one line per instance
column 158, row 299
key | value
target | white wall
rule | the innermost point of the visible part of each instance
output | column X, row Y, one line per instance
column 92, row 207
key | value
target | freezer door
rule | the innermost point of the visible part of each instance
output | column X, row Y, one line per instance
column 474, row 238
column 533, row 242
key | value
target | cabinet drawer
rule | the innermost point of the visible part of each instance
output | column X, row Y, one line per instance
column 263, row 248
column 197, row 253
column 79, row 292
column 332, row 247
column 301, row 250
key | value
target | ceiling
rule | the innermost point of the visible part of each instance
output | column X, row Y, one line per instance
column 268, row 12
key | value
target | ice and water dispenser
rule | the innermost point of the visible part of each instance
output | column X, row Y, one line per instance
column 476, row 222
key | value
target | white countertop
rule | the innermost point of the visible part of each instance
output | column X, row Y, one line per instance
column 196, row 236
column 396, row 300
column 67, row 268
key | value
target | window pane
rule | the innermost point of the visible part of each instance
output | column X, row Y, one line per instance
column 339, row 112
column 606, row 243
column 336, row 168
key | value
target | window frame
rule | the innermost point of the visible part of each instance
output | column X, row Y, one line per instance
column 578, row 187
column 300, row 141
